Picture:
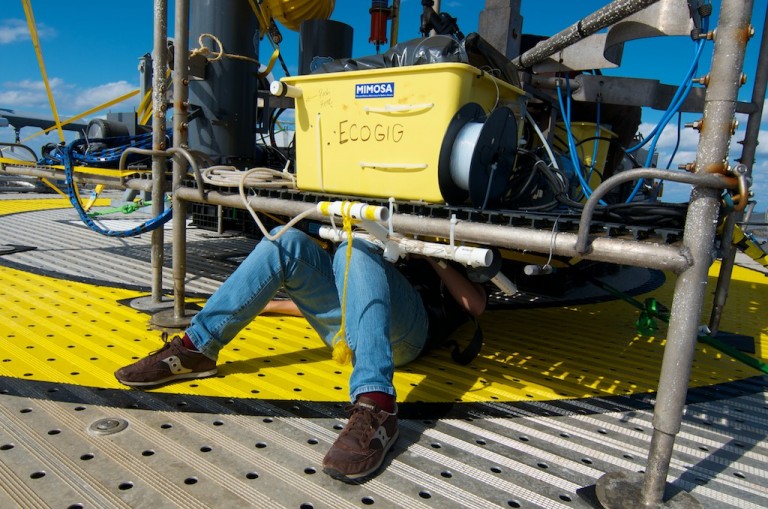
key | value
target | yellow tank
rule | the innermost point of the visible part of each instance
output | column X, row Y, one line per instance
column 380, row 132
column 290, row 13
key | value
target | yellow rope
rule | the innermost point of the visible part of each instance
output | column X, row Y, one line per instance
column 748, row 247
column 94, row 196
column 36, row 43
column 271, row 63
column 105, row 172
column 262, row 18
column 85, row 113
column 53, row 187
column 341, row 351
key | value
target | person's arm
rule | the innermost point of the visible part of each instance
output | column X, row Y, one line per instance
column 470, row 295
column 281, row 307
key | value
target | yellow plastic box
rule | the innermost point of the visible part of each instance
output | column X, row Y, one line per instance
column 378, row 133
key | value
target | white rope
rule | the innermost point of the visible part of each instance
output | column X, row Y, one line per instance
column 217, row 55
column 229, row 176
column 255, row 216
column 543, row 139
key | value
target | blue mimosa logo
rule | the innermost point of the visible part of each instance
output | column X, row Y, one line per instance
column 374, row 90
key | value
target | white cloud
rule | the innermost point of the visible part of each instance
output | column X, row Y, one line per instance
column 689, row 139
column 27, row 94
column 95, row 96
column 70, row 100
column 15, row 30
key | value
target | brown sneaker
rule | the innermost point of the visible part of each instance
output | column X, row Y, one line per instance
column 172, row 362
column 361, row 446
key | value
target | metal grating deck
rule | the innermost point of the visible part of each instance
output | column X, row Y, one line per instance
column 560, row 396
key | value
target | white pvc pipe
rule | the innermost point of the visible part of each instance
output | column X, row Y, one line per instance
column 281, row 89
column 470, row 256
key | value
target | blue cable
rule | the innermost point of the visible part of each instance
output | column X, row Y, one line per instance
column 566, row 109
column 68, row 158
column 674, row 107
column 596, row 143
column 677, row 100
column 677, row 142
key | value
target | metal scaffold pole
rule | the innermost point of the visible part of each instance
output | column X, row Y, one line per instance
column 159, row 64
column 747, row 159
column 179, row 316
column 630, row 490
column 602, row 18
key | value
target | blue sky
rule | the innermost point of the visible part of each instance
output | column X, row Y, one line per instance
column 91, row 50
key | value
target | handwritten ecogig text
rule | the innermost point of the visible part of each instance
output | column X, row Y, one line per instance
column 355, row 132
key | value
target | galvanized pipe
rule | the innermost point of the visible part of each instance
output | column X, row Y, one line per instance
column 620, row 251
column 747, row 158
column 180, row 120
column 159, row 64
column 699, row 236
column 715, row 181
column 51, row 173
column 602, row 18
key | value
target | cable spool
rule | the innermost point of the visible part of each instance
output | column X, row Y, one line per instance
column 477, row 156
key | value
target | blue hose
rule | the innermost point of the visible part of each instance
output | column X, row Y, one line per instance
column 565, row 108
column 674, row 107
column 677, row 100
column 677, row 141
column 596, row 144
column 68, row 158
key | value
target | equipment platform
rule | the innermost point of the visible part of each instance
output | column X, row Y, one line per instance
column 560, row 394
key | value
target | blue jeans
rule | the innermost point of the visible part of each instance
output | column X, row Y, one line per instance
column 385, row 320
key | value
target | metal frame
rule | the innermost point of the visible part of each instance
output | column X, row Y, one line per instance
column 691, row 260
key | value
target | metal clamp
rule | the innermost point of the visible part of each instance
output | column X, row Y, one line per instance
column 741, row 172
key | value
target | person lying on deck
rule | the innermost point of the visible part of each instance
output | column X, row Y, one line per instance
column 391, row 315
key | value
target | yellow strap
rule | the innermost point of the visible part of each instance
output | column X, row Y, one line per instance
column 49, row 184
column 38, row 51
column 94, row 195
column 748, row 247
column 341, row 351
column 86, row 113
column 107, row 172
column 260, row 17
column 144, row 106
column 271, row 63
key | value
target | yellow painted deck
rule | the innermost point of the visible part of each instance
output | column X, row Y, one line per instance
column 64, row 331
column 65, row 338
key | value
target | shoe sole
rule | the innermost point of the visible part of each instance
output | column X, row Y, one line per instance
column 172, row 378
column 353, row 478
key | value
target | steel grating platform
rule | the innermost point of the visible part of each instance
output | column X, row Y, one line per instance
column 559, row 396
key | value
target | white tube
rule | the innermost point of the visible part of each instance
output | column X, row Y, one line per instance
column 503, row 283
column 471, row 256
column 537, row 270
column 543, row 140
column 281, row 89
column 356, row 210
